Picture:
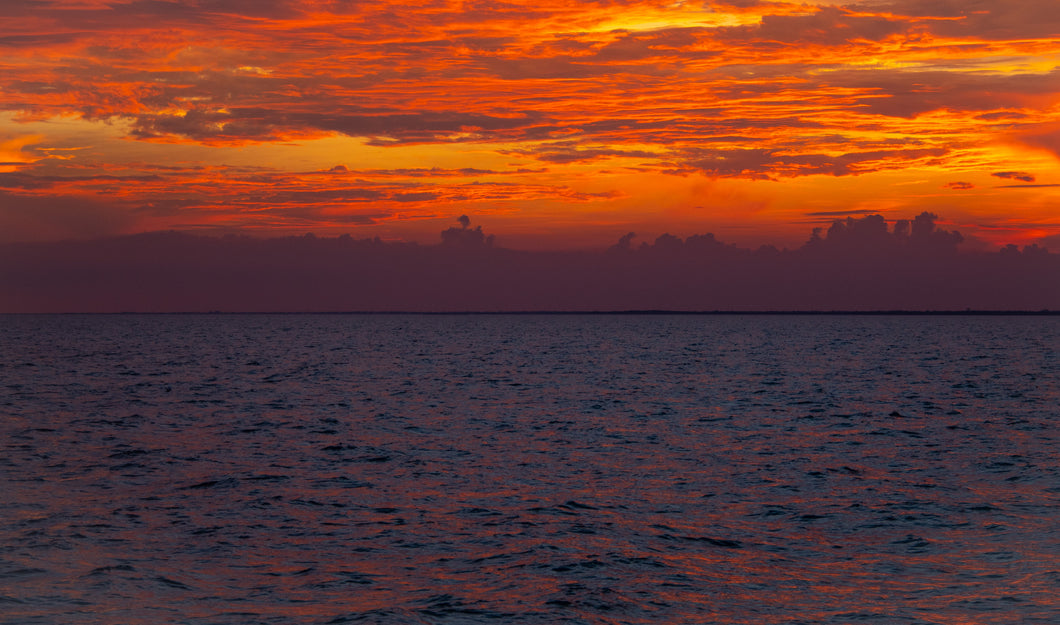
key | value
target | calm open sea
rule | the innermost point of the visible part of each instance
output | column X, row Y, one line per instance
column 529, row 469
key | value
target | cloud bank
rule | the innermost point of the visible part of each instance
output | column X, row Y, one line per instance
column 227, row 113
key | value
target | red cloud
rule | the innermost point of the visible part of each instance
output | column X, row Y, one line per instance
column 789, row 91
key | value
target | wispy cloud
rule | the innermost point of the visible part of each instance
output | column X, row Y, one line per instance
column 857, row 263
column 735, row 91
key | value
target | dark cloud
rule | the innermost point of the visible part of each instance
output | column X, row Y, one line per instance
column 307, row 216
column 1051, row 242
column 908, row 93
column 754, row 163
column 739, row 4
column 830, row 26
column 27, row 218
column 776, row 99
column 986, row 19
column 416, row 196
column 419, row 123
column 38, row 39
column 1026, row 186
column 465, row 237
column 430, row 172
column 1014, row 175
column 959, row 186
column 261, row 124
column 673, row 43
column 24, row 8
column 289, row 197
column 841, row 213
column 862, row 263
column 199, row 11
column 27, row 181
column 870, row 235
column 559, row 67
column 1003, row 116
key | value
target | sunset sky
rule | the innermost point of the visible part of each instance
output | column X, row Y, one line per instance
column 551, row 124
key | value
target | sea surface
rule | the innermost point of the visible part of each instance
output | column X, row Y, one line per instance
column 764, row 469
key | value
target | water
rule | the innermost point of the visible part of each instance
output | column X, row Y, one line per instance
column 529, row 469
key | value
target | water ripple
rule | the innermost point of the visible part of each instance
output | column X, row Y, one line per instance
column 245, row 469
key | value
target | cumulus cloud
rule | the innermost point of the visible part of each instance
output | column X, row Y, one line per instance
column 859, row 263
column 466, row 237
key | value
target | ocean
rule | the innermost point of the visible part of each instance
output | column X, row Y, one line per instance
column 730, row 469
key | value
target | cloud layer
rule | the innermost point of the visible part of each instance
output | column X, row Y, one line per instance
column 857, row 263
column 186, row 114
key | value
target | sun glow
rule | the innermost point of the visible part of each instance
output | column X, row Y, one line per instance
column 599, row 116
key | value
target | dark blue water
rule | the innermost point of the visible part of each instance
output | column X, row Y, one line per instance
column 529, row 469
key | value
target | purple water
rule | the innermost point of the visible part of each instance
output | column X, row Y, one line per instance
column 529, row 469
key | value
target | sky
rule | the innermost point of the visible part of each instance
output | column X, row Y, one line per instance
column 553, row 124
